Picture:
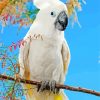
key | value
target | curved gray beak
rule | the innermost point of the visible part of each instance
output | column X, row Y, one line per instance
column 61, row 21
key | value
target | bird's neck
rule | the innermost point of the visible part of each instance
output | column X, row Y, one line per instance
column 46, row 30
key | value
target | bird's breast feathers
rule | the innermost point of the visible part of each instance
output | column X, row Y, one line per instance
column 45, row 59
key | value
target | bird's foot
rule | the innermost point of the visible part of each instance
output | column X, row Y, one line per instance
column 43, row 86
column 53, row 88
column 48, row 85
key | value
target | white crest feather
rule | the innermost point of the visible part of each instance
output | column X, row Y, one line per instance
column 42, row 3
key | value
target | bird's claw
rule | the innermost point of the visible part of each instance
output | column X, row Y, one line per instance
column 48, row 85
column 43, row 86
column 53, row 88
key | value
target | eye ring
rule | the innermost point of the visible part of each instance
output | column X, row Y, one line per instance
column 53, row 14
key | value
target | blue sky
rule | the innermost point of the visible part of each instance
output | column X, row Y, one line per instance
column 84, row 43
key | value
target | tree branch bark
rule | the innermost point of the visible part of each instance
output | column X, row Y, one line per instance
column 77, row 89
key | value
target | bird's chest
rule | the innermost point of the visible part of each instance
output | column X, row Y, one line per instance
column 47, row 47
column 45, row 57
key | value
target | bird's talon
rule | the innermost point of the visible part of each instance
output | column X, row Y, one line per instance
column 48, row 85
column 53, row 87
column 43, row 86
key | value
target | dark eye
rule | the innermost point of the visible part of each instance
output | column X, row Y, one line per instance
column 53, row 14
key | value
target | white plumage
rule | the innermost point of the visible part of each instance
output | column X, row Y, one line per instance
column 45, row 55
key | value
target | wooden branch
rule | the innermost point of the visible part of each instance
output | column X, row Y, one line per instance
column 77, row 89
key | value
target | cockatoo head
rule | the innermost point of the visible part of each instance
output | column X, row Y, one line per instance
column 52, row 14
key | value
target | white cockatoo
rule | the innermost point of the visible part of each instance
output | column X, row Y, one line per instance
column 45, row 55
